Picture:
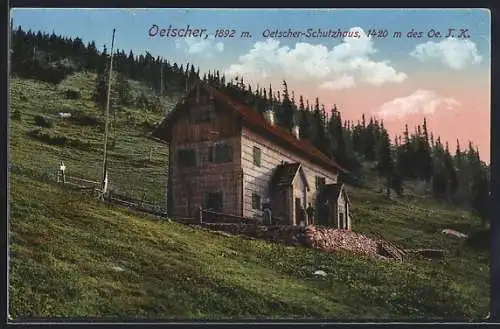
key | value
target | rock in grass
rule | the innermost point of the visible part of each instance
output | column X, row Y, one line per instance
column 117, row 269
column 320, row 273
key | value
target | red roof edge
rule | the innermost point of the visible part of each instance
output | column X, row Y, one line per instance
column 258, row 124
column 257, row 121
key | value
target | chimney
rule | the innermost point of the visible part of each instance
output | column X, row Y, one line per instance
column 269, row 115
column 296, row 131
column 197, row 93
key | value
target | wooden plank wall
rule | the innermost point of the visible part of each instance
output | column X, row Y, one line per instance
column 256, row 179
column 186, row 130
column 190, row 184
column 299, row 191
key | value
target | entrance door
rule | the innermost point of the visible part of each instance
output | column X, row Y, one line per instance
column 341, row 221
column 298, row 213
column 213, row 201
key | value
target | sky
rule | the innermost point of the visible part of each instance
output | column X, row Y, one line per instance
column 397, row 65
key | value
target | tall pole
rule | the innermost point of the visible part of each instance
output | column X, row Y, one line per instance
column 105, row 164
column 161, row 77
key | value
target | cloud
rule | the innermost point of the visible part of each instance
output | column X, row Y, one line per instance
column 205, row 47
column 343, row 82
column 454, row 53
column 347, row 64
column 420, row 102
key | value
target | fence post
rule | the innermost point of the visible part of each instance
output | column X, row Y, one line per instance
column 61, row 177
column 106, row 182
column 201, row 215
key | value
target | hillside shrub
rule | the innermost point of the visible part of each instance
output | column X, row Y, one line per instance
column 79, row 143
column 72, row 94
column 40, row 68
column 84, row 119
column 47, row 137
column 480, row 239
column 148, row 125
column 130, row 118
column 58, row 140
column 15, row 115
column 43, row 121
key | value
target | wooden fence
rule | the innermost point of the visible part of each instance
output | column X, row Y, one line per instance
column 390, row 248
column 80, row 182
column 210, row 216
column 110, row 197
column 136, row 204
column 204, row 215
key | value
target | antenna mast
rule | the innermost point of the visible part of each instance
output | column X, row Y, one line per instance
column 104, row 180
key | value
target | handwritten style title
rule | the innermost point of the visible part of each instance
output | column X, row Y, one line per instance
column 203, row 33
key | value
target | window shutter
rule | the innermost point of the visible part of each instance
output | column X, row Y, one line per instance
column 179, row 157
column 210, row 154
column 229, row 153
column 192, row 158
column 217, row 152
column 207, row 200
column 220, row 201
column 256, row 156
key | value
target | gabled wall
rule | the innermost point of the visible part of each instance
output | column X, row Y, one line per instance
column 257, row 179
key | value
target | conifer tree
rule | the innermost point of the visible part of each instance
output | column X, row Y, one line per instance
column 424, row 153
column 124, row 90
column 451, row 174
column 305, row 122
column 319, row 138
column 287, row 119
column 385, row 165
column 480, row 194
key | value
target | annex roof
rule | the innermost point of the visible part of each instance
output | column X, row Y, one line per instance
column 256, row 122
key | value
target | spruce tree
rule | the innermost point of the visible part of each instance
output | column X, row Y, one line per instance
column 287, row 114
column 480, row 194
column 385, row 165
column 305, row 122
column 101, row 89
column 451, row 174
column 319, row 140
column 439, row 176
column 369, row 141
column 424, row 153
column 124, row 90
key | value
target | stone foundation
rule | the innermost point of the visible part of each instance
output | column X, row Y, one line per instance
column 322, row 238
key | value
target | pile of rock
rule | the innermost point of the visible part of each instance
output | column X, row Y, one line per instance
column 322, row 238
column 280, row 233
column 331, row 240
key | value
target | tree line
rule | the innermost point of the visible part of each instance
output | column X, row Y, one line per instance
column 458, row 176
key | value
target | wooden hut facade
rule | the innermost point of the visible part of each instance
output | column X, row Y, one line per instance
column 227, row 157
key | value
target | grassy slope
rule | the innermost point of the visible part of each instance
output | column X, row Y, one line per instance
column 64, row 245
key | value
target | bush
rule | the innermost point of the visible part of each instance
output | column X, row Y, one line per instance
column 83, row 119
column 130, row 118
column 80, row 144
column 480, row 239
column 40, row 134
column 15, row 115
column 45, row 122
column 72, row 94
column 148, row 125
column 58, row 140
column 41, row 69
